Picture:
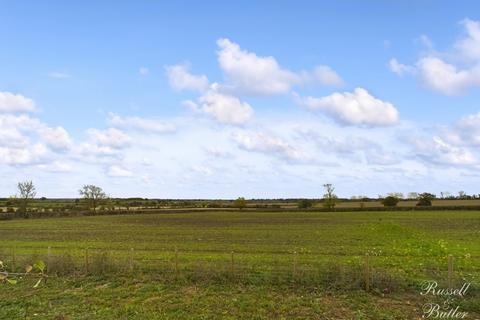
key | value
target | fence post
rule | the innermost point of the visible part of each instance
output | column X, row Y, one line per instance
column 49, row 258
column 450, row 271
column 294, row 264
column 176, row 262
column 131, row 260
column 14, row 267
column 86, row 260
column 232, row 266
column 367, row 273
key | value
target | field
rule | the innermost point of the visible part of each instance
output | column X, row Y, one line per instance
column 250, row 265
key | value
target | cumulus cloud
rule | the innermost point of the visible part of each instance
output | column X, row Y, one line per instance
column 248, row 73
column 443, row 77
column 142, row 124
column 56, row 138
column 354, row 108
column 26, row 140
column 23, row 156
column 118, row 171
column 439, row 151
column 181, row 79
column 452, row 72
column 10, row 102
column 327, row 76
column 110, row 137
column 262, row 142
column 399, row 68
column 253, row 74
column 225, row 108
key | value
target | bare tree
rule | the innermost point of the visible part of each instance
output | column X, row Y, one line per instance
column 93, row 195
column 329, row 197
column 26, row 192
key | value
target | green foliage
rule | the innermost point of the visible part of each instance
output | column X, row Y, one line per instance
column 305, row 204
column 93, row 195
column 240, row 203
column 329, row 198
column 390, row 201
column 425, row 199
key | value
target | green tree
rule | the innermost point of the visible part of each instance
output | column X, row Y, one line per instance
column 93, row 195
column 240, row 203
column 425, row 199
column 329, row 198
column 305, row 204
column 26, row 193
column 390, row 201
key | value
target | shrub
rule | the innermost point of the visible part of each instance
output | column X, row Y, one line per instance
column 390, row 201
column 425, row 199
column 305, row 204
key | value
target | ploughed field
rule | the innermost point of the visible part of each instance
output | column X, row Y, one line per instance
column 338, row 265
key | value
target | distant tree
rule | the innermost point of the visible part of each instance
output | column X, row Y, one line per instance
column 390, row 201
column 240, row 203
column 305, row 204
column 329, row 198
column 93, row 195
column 425, row 199
column 462, row 195
column 397, row 195
column 412, row 195
column 26, row 193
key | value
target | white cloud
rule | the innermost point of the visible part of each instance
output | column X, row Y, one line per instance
column 225, row 108
column 143, row 71
column 24, row 140
column 203, row 170
column 110, row 137
column 142, row 124
column 439, row 151
column 252, row 74
column 356, row 108
column 10, row 102
column 261, row 142
column 94, row 151
column 117, row 171
column 56, row 138
column 181, row 79
column 452, row 72
column 23, row 156
column 399, row 68
column 469, row 46
column 326, row 76
column 445, row 78
column 56, row 166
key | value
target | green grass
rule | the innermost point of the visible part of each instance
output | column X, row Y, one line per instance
column 290, row 265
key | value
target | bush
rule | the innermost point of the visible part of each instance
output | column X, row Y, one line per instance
column 390, row 201
column 305, row 204
column 425, row 199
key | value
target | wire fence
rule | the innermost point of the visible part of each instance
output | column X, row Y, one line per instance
column 383, row 273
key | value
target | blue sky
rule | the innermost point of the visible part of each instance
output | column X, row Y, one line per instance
column 214, row 100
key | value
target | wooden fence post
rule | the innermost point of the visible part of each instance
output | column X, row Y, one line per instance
column 450, row 271
column 176, row 262
column 367, row 273
column 130, row 262
column 49, row 257
column 86, row 261
column 294, row 273
column 14, row 267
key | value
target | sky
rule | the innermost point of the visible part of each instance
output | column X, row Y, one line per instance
column 216, row 99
